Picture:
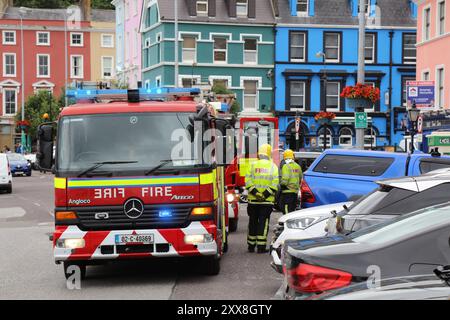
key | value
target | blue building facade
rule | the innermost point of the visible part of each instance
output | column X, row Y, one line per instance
column 316, row 57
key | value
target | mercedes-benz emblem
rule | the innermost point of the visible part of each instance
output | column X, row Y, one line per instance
column 133, row 208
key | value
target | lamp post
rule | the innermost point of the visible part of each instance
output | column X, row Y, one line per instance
column 413, row 115
column 322, row 55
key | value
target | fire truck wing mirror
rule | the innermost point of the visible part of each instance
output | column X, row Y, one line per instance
column 46, row 134
column 191, row 131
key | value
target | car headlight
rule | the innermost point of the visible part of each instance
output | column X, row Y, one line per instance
column 303, row 223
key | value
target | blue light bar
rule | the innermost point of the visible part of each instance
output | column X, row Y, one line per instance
column 122, row 94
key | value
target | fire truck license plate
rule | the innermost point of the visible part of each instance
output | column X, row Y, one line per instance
column 134, row 238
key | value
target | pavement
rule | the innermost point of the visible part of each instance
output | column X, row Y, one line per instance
column 27, row 269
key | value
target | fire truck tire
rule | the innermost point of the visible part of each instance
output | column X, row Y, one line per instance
column 233, row 225
column 68, row 273
column 225, row 245
column 212, row 265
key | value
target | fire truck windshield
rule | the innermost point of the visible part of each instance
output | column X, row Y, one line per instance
column 257, row 134
column 141, row 141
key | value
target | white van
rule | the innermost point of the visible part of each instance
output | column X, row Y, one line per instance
column 5, row 174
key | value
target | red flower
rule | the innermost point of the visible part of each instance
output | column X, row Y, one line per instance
column 325, row 115
column 361, row 91
column 24, row 123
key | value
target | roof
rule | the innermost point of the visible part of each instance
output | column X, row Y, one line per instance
column 339, row 13
column 264, row 13
column 98, row 15
column 125, row 107
column 364, row 153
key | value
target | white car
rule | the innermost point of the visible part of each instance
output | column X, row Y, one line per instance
column 5, row 174
column 302, row 224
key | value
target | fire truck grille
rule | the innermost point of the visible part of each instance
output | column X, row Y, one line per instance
column 114, row 218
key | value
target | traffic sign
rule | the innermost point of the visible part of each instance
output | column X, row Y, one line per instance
column 361, row 120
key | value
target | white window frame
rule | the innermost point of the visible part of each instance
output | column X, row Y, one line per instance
column 426, row 75
column 7, row 43
column 338, row 96
column 4, row 101
column 374, row 45
column 338, row 46
column 81, row 44
column 203, row 2
column 255, row 52
column 258, row 81
column 5, row 54
column 373, row 136
column 374, row 85
column 439, row 31
column 240, row 4
column 302, row 13
column 38, row 75
column 195, row 79
column 103, row 67
column 320, row 138
column 104, row 35
column 292, row 46
column 223, row 78
column 408, row 60
column 346, row 145
column 221, row 50
column 186, row 50
column 43, row 44
column 440, row 100
column 158, row 79
column 81, row 76
column 367, row 7
column 291, row 95
column 426, row 30
column 147, row 84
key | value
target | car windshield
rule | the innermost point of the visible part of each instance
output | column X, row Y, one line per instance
column 379, row 199
column 403, row 226
column 146, row 140
column 15, row 157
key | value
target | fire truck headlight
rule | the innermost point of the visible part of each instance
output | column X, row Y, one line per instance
column 198, row 238
column 71, row 243
column 231, row 197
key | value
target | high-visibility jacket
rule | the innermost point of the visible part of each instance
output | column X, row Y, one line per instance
column 291, row 176
column 262, row 176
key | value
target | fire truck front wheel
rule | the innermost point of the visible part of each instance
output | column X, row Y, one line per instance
column 73, row 270
column 212, row 265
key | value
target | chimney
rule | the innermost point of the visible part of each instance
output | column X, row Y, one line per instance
column 4, row 4
column 86, row 9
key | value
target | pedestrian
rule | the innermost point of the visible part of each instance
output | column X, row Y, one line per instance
column 6, row 149
column 262, row 184
column 291, row 177
column 19, row 148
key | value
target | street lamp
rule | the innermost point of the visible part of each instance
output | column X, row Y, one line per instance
column 413, row 115
column 322, row 55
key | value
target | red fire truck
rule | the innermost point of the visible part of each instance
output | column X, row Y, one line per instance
column 129, row 185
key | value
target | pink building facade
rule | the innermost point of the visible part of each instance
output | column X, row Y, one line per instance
column 128, row 63
column 433, row 47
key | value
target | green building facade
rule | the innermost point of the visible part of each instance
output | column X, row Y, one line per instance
column 214, row 47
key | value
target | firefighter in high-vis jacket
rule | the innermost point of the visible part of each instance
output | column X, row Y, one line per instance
column 291, row 177
column 262, row 184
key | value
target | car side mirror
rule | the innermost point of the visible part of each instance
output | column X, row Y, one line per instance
column 44, row 157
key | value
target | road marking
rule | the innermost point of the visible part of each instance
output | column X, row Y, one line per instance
column 14, row 212
column 37, row 204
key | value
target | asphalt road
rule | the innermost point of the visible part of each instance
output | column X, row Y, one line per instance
column 27, row 270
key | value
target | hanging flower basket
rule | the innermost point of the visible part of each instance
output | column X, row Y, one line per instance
column 361, row 96
column 23, row 125
column 324, row 117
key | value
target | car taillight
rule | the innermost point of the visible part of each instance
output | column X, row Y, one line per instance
column 314, row 279
column 307, row 195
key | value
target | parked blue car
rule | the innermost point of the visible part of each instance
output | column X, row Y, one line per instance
column 344, row 175
column 19, row 165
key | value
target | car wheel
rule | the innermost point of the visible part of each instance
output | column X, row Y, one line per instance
column 212, row 265
column 29, row 174
column 68, row 272
column 9, row 189
column 233, row 225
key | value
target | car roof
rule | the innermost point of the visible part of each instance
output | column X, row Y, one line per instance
column 418, row 183
column 366, row 153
